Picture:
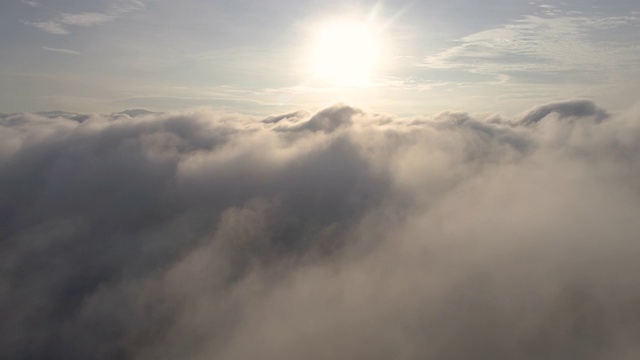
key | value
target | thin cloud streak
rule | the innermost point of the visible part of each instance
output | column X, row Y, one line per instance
column 62, row 51
column 31, row 3
column 538, row 44
column 59, row 25
column 51, row 27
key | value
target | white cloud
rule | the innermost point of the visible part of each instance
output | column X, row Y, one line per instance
column 125, row 6
column 62, row 51
column 85, row 19
column 59, row 25
column 31, row 3
column 52, row 27
column 546, row 44
column 340, row 234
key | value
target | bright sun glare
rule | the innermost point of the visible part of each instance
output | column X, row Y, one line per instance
column 345, row 54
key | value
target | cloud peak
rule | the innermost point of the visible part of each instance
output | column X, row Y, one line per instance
column 565, row 109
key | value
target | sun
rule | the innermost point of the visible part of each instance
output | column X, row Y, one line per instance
column 344, row 54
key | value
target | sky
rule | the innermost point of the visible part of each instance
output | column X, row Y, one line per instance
column 255, row 56
column 319, row 180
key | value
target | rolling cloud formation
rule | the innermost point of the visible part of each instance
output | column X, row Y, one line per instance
column 335, row 235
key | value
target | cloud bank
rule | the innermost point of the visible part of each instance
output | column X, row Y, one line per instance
column 340, row 234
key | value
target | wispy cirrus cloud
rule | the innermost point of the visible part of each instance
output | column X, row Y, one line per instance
column 51, row 27
column 31, row 3
column 62, row 51
column 60, row 24
column 85, row 19
column 549, row 42
column 124, row 6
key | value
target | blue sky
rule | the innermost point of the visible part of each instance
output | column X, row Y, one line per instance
column 253, row 56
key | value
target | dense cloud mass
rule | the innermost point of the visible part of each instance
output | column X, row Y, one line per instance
column 335, row 235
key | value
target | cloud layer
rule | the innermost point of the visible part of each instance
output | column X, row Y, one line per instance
column 340, row 234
